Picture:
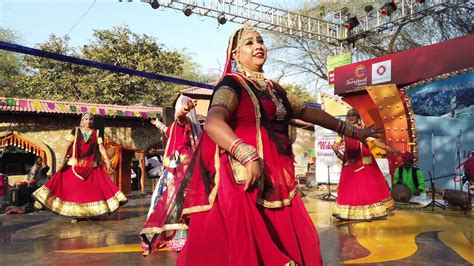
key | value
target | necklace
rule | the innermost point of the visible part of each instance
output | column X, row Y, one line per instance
column 86, row 135
column 280, row 108
column 258, row 78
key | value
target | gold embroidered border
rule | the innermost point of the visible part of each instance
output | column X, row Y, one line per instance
column 256, row 106
column 44, row 197
column 297, row 104
column 364, row 212
column 278, row 203
column 213, row 194
column 166, row 227
column 225, row 96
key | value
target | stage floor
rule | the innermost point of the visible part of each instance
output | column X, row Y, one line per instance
column 410, row 237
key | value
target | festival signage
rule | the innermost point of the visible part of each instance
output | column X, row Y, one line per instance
column 337, row 61
column 327, row 163
column 406, row 67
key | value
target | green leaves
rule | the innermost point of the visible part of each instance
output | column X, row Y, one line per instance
column 50, row 79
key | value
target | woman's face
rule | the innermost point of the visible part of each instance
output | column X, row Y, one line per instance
column 352, row 117
column 252, row 52
column 87, row 121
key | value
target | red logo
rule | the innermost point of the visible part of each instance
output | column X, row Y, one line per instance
column 381, row 70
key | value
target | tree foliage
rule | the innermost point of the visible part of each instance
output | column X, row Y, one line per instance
column 307, row 58
column 50, row 79
column 10, row 63
column 299, row 91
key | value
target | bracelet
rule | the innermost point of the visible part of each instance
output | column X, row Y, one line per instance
column 341, row 126
column 348, row 130
column 234, row 144
column 244, row 153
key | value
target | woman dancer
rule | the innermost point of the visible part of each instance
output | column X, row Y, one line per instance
column 363, row 193
column 239, row 186
column 181, row 136
column 81, row 188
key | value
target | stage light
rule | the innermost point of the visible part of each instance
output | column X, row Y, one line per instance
column 368, row 8
column 344, row 11
column 221, row 19
column 388, row 8
column 351, row 23
column 188, row 11
column 154, row 4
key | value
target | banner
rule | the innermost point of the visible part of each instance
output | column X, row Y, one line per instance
column 337, row 61
column 406, row 67
column 327, row 163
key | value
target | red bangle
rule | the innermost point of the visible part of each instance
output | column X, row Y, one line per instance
column 234, row 145
column 251, row 159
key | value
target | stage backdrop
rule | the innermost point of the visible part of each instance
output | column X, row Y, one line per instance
column 444, row 116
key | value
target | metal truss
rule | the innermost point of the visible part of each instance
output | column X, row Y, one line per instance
column 331, row 31
column 407, row 11
column 261, row 16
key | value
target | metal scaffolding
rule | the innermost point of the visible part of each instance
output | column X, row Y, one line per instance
column 407, row 11
column 331, row 31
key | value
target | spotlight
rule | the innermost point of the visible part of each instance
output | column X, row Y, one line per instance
column 388, row 8
column 188, row 11
column 221, row 19
column 368, row 8
column 154, row 4
column 344, row 11
column 351, row 23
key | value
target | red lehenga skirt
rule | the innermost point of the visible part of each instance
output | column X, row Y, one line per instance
column 238, row 231
column 68, row 195
column 260, row 236
column 363, row 193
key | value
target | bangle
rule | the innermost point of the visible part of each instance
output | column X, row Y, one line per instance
column 349, row 131
column 244, row 153
column 234, row 144
column 340, row 127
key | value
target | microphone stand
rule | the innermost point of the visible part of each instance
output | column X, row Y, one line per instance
column 329, row 195
column 433, row 202
column 458, row 147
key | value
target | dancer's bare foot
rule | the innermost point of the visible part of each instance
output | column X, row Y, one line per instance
column 74, row 220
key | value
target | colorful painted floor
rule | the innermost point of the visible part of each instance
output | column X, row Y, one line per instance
column 407, row 238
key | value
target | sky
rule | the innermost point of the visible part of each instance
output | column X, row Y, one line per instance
column 200, row 37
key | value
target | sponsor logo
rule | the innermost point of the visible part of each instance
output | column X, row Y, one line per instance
column 360, row 71
column 382, row 72
column 360, row 76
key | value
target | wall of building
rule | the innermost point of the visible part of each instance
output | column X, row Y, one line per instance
column 52, row 130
